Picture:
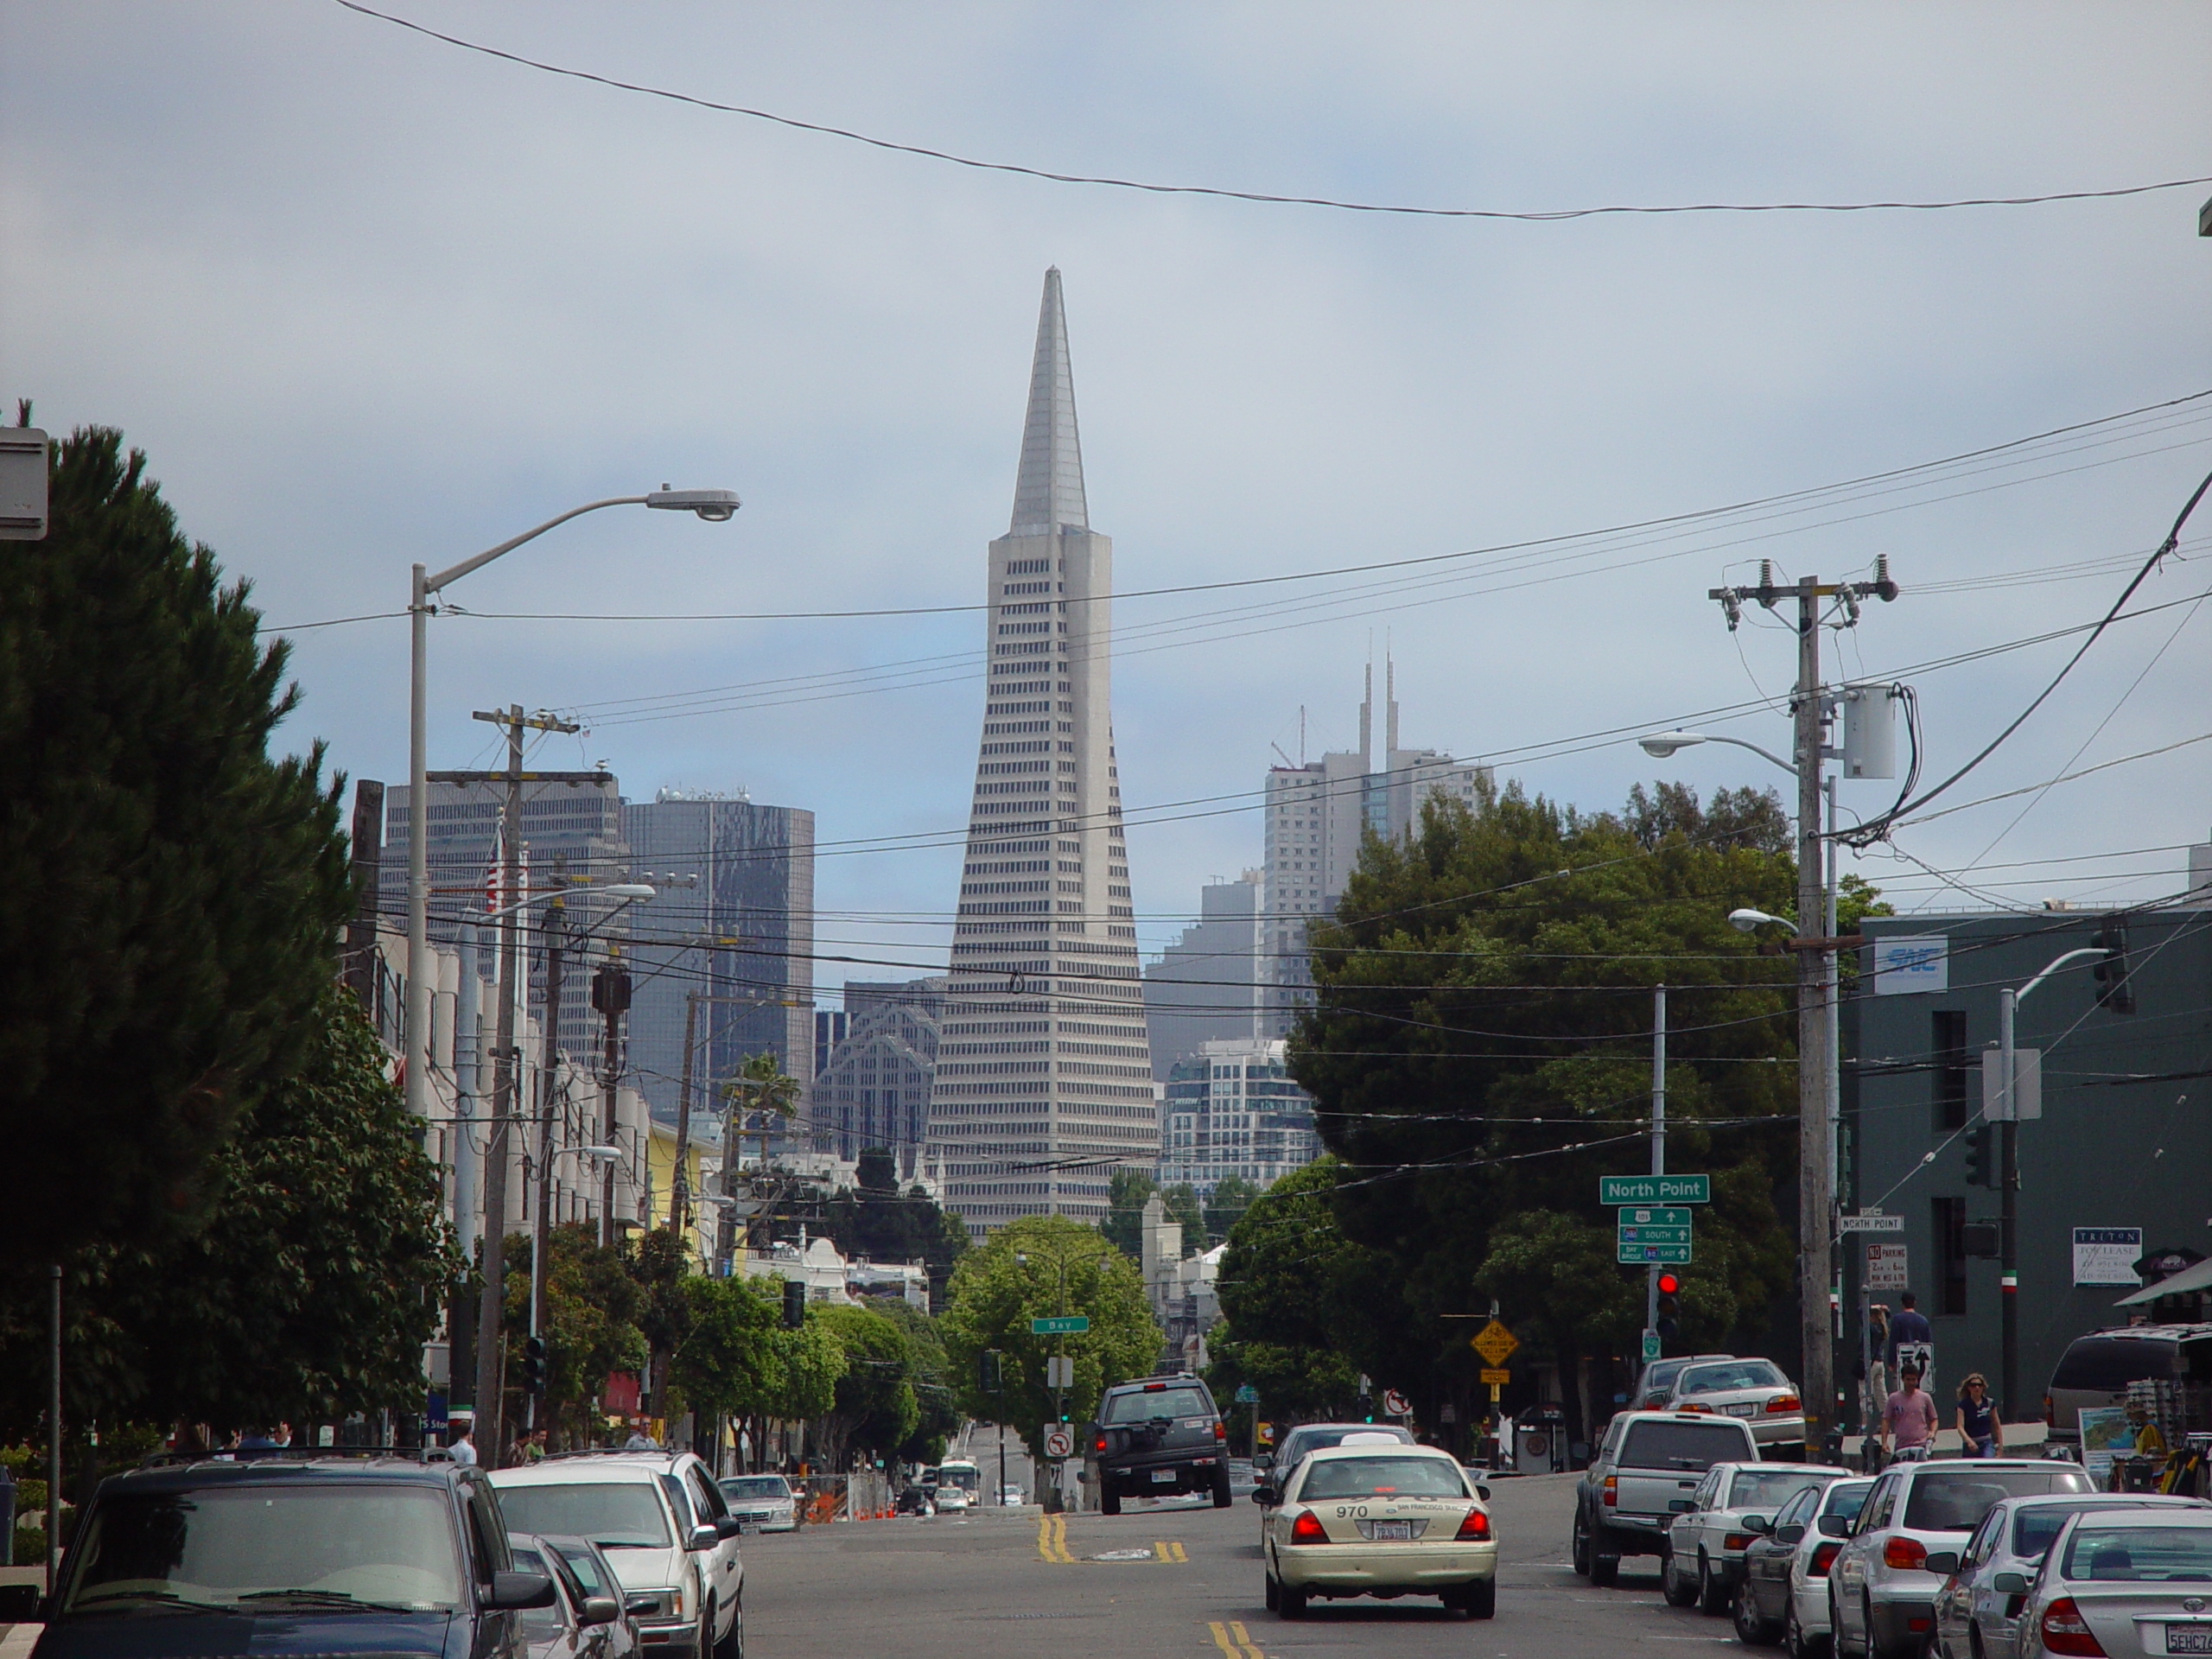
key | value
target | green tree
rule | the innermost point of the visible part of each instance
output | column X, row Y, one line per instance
column 874, row 1408
column 308, row 1294
column 727, row 1361
column 1232, row 1195
column 1294, row 1290
column 593, row 1303
column 1042, row 1265
column 174, row 891
column 931, row 1375
column 1127, row 1191
column 872, row 1218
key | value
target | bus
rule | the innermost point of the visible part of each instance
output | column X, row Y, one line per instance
column 959, row 1484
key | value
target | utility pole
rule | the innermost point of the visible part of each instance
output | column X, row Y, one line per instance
column 679, row 1188
column 1816, row 954
column 556, row 921
column 1658, row 1155
column 460, row 1334
column 491, row 1357
column 610, row 995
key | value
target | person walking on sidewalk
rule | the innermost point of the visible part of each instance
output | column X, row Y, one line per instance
column 1980, row 1435
column 1909, row 1415
column 1911, row 1340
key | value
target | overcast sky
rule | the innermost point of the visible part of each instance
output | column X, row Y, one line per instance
column 366, row 298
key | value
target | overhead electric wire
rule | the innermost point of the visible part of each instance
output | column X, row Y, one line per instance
column 1048, row 175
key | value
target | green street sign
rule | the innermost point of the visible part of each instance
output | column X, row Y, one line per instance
column 1654, row 1189
column 1641, row 1254
column 1653, row 1215
column 1247, row 1395
column 1650, row 1345
column 1059, row 1324
column 1627, row 1234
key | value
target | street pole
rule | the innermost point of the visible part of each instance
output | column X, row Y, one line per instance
column 1832, row 1000
column 490, row 1367
column 416, row 1051
column 52, row 1444
column 679, row 1188
column 460, row 1335
column 1658, row 1140
column 556, row 919
column 2008, row 1236
column 610, row 995
column 1814, row 1178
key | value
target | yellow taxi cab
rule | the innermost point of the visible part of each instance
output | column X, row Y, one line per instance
column 1368, row 1520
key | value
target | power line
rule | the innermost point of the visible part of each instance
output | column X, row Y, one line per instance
column 1541, row 216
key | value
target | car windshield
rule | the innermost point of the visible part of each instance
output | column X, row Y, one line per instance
column 615, row 1514
column 965, row 1476
column 1382, row 1477
column 1140, row 1404
column 1762, row 1489
column 1955, row 1500
column 537, row 1622
column 1731, row 1374
column 756, row 1486
column 1654, row 1445
column 2140, row 1554
column 272, row 1548
column 1314, row 1439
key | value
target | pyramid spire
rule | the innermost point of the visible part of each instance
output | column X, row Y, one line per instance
column 1048, row 490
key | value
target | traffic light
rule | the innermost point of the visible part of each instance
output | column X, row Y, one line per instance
column 610, row 990
column 986, row 1371
column 1981, row 1161
column 533, row 1365
column 2111, row 974
column 1668, row 1325
column 794, row 1303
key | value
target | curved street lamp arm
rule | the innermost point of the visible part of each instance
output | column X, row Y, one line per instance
column 431, row 584
column 2059, row 962
column 1764, row 754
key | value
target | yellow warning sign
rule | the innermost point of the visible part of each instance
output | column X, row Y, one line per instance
column 1494, row 1342
column 1499, row 1377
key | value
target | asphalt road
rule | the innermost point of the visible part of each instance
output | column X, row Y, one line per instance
column 1175, row 1576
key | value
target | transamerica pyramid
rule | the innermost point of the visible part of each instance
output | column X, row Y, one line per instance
column 1044, row 1080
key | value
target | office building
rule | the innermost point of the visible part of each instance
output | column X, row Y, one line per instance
column 873, row 1087
column 1206, row 985
column 1043, row 1078
column 1232, row 1109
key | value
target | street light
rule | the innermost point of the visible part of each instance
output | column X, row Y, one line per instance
column 1747, row 920
column 1660, row 745
column 713, row 506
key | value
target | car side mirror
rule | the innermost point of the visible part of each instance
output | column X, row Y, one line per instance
column 1834, row 1526
column 703, row 1538
column 1482, row 1491
column 2009, row 1584
column 728, row 1526
column 513, row 1591
column 1266, row 1497
column 1790, row 1534
column 1941, row 1562
column 1263, row 1463
column 599, row 1610
column 1761, row 1524
column 19, row 1604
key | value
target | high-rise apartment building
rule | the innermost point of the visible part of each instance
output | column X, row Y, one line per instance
column 1232, row 1109
column 1043, row 1077
column 1318, row 814
column 873, row 1087
column 741, row 939
column 1206, row 985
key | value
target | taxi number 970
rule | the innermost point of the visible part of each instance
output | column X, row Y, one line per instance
column 1352, row 1511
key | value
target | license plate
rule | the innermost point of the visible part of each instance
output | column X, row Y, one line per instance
column 1163, row 1477
column 1744, row 1408
column 2189, row 1638
column 1402, row 1532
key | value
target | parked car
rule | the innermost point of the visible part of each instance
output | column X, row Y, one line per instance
column 1159, row 1437
column 1657, row 1377
column 1702, row 1558
column 595, row 1576
column 332, row 1554
column 1646, row 1470
column 573, row 1625
column 1978, row 1609
column 1785, row 1588
column 664, row 1526
column 2123, row 1582
column 763, row 1503
column 1011, row 1496
column 1753, row 1390
column 1275, row 1468
column 1881, row 1590
column 1381, row 1520
column 2096, row 1369
column 915, row 1500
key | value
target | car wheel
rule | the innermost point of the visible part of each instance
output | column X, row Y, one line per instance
column 1677, row 1593
column 705, row 1646
column 1273, row 1595
column 1793, row 1634
column 732, row 1645
column 1712, row 1589
column 1480, row 1599
column 1220, row 1498
column 1604, row 1566
column 1835, row 1621
column 1110, row 1498
column 1290, row 1603
column 1753, row 1629
column 1581, row 1544
column 1871, row 1648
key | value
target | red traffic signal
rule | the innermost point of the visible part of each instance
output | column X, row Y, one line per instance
column 1668, row 1284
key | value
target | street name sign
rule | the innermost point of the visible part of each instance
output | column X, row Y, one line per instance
column 1876, row 1223
column 1654, row 1189
column 1059, row 1324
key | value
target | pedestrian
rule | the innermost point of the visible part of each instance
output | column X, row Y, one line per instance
column 1910, row 1338
column 1981, row 1433
column 1877, row 1360
column 638, row 1441
column 460, row 1445
column 1908, row 1414
column 533, row 1446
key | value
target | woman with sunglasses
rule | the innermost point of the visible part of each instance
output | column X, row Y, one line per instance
column 1980, row 1435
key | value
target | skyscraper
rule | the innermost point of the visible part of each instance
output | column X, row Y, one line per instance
column 1043, row 1080
column 1205, row 987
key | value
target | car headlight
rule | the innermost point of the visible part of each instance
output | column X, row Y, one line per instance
column 657, row 1604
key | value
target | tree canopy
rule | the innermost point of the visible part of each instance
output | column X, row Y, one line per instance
column 872, row 1218
column 174, row 891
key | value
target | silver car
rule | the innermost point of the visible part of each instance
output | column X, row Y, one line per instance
column 2122, row 1583
column 1702, row 1560
column 1978, row 1610
column 1785, row 1588
column 1753, row 1390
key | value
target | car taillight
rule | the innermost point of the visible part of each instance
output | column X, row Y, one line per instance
column 1612, row 1493
column 1475, row 1526
column 2049, row 1413
column 1785, row 1403
column 1101, row 1442
column 1308, row 1529
column 1823, row 1555
column 1736, row 1540
column 2064, row 1631
column 1220, row 1432
column 1707, row 1410
column 1907, row 1553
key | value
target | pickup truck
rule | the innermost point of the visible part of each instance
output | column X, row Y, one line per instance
column 1646, row 1472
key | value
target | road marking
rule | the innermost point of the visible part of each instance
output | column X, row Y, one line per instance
column 1053, row 1539
column 1168, row 1550
column 1234, row 1640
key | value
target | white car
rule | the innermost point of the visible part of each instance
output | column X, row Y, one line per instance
column 2122, row 1583
column 664, row 1528
column 1702, row 1562
column 1383, row 1521
column 763, row 1503
column 1785, row 1588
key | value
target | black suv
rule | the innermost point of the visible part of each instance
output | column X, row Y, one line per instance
column 329, row 1554
column 1157, row 1438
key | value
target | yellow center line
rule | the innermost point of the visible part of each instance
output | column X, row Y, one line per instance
column 1222, row 1640
column 1177, row 1546
column 1244, row 1640
column 1060, row 1541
